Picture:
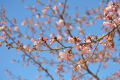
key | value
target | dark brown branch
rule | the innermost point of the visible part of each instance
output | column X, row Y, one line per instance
column 64, row 7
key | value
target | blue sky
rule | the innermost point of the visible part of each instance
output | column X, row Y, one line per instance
column 14, row 8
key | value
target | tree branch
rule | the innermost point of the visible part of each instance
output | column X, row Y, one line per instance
column 24, row 51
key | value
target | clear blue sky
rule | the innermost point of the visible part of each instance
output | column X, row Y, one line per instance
column 14, row 8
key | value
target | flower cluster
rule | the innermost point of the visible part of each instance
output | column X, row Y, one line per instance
column 111, row 13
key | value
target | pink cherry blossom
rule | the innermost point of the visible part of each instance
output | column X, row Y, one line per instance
column 107, row 24
column 35, row 43
column 70, row 39
column 37, row 16
column 62, row 55
column 60, row 22
column 26, row 47
column 59, row 37
column 16, row 28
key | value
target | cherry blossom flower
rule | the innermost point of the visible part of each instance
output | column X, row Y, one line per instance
column 26, row 47
column 16, row 28
column 37, row 16
column 2, row 28
column 62, row 55
column 24, row 22
column 109, row 8
column 85, row 50
column 52, row 41
column 45, row 38
column 55, row 7
column 118, row 11
column 107, row 24
column 35, row 43
column 44, row 12
column 70, row 39
column 13, row 20
column 61, row 4
column 77, row 46
column 66, row 50
column 59, row 68
column 52, row 35
column 13, row 61
column 59, row 37
column 47, row 22
column 60, row 22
